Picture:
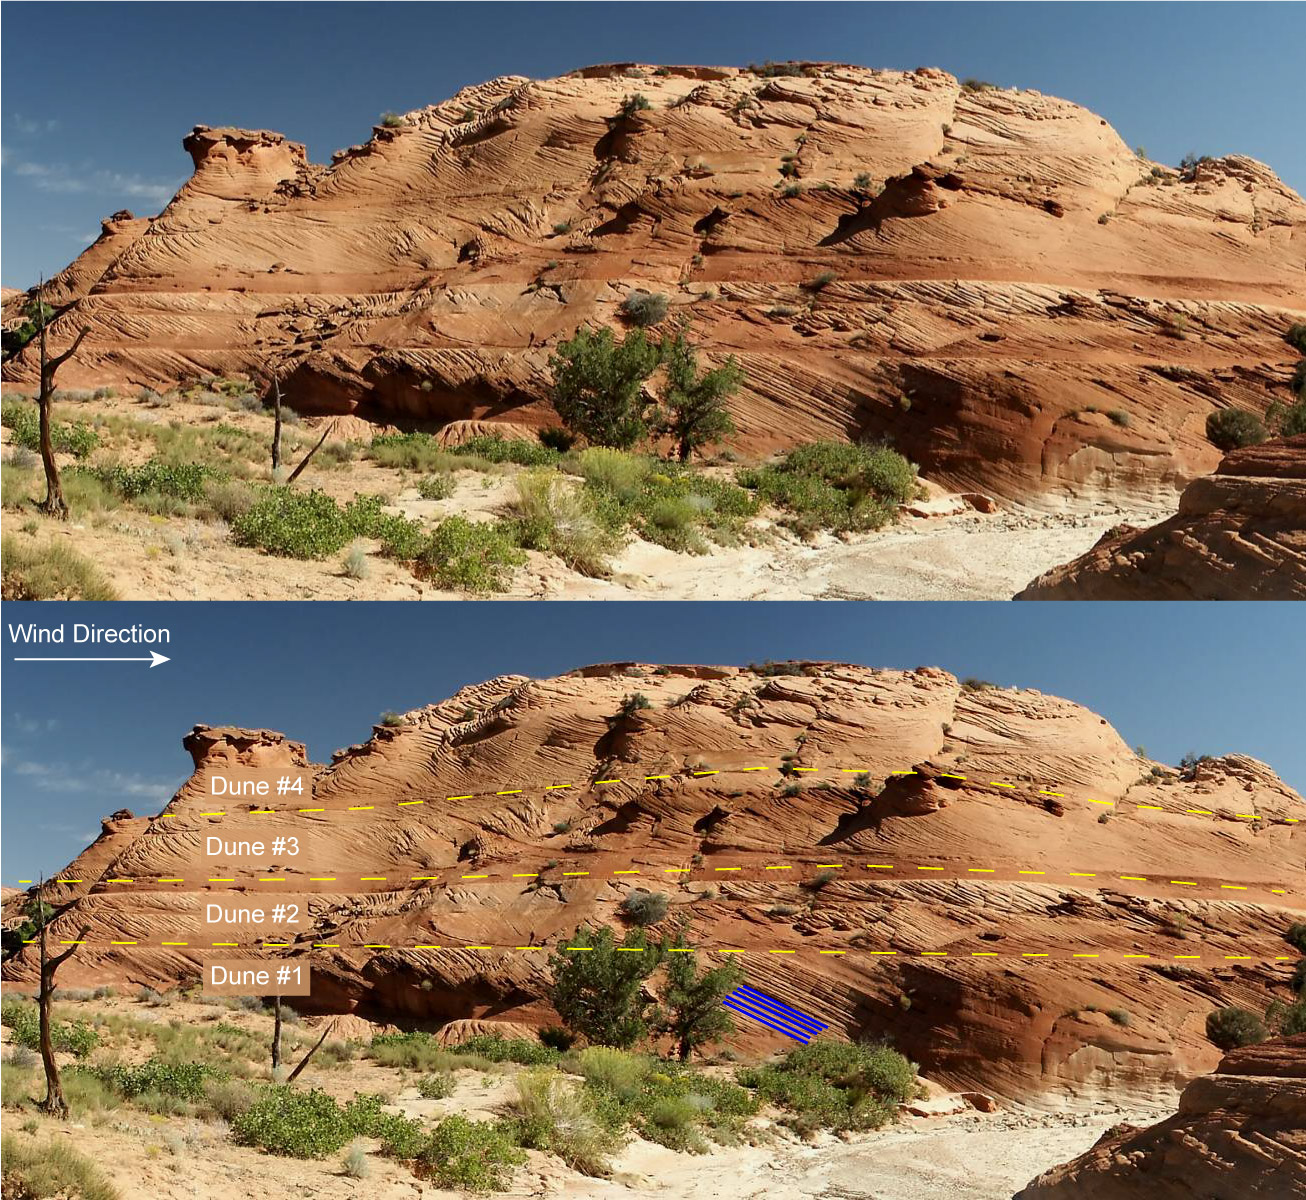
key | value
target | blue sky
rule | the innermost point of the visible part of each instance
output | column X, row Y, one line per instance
column 80, row 741
column 93, row 123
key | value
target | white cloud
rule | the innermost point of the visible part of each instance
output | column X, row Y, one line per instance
column 110, row 784
column 30, row 127
column 113, row 185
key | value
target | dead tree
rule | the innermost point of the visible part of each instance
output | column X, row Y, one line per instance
column 54, row 1102
column 299, row 470
column 54, row 504
column 276, row 422
column 303, row 1062
column 276, row 1032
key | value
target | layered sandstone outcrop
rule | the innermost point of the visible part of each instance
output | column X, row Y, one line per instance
column 1239, row 534
column 1239, row 1134
column 443, row 860
column 990, row 278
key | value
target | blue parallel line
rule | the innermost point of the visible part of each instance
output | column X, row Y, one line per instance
column 772, row 1005
column 766, row 1009
column 770, row 1018
column 770, row 1001
column 798, row 1037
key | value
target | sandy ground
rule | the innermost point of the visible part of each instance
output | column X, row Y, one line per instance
column 967, row 557
column 969, row 1156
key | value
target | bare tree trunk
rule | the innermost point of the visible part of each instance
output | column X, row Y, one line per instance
column 295, row 474
column 303, row 1062
column 276, row 1032
column 54, row 1102
column 54, row 504
column 276, row 422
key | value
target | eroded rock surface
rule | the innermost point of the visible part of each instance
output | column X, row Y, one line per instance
column 991, row 278
column 1239, row 534
column 1239, row 1132
column 1019, row 824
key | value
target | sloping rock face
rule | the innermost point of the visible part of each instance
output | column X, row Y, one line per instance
column 1239, row 1133
column 451, row 855
column 1239, row 534
column 1000, row 259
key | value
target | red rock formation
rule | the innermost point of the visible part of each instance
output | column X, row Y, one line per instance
column 1239, row 534
column 1079, row 854
column 1012, row 268
column 1240, row 1134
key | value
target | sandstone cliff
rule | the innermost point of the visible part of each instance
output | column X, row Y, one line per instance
column 1239, row 1134
column 990, row 278
column 1239, row 534
column 1026, row 827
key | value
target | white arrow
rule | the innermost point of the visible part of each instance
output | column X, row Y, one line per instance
column 154, row 660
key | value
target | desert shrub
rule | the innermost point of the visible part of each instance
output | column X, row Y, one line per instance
column 412, row 452
column 293, row 524
column 1118, row 416
column 633, row 104
column 615, row 471
column 645, row 309
column 226, row 1099
column 356, row 1165
column 1296, row 337
column 23, row 1019
column 617, row 1071
column 355, row 564
column 470, row 557
column 836, row 1085
column 178, row 481
column 393, row 720
column 1118, row 1016
column 598, row 991
column 836, row 485
column 645, row 907
column 182, row 1081
column 37, row 1171
column 23, row 420
column 498, row 449
column 556, row 517
column 435, row 487
column 436, row 1086
column 1296, row 936
column 1232, row 1027
column 497, row 1048
column 821, row 281
column 1231, row 428
column 1294, row 1019
column 227, row 499
column 977, row 85
column 305, row 1124
column 557, row 438
column 55, row 571
column 476, row 1156
column 392, row 120
column 554, row 1115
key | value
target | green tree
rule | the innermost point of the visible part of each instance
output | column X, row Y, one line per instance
column 694, row 409
column 598, row 989
column 598, row 385
column 692, row 1012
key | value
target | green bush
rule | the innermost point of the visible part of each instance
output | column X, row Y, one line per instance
column 308, row 1124
column 1232, row 1027
column 435, row 487
column 644, row 907
column 1294, row 1019
column 598, row 990
column 437, row 1086
column 466, row 556
column 598, row 385
column 836, row 1085
column 476, row 1156
column 497, row 1048
column 51, row 572
column 633, row 104
column 1231, row 428
column 293, row 524
column 186, row 481
column 1296, row 936
column 1296, row 337
column 497, row 449
column 23, row 420
column 182, row 1081
column 837, row 486
column 24, row 1021
column 35, row 1171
